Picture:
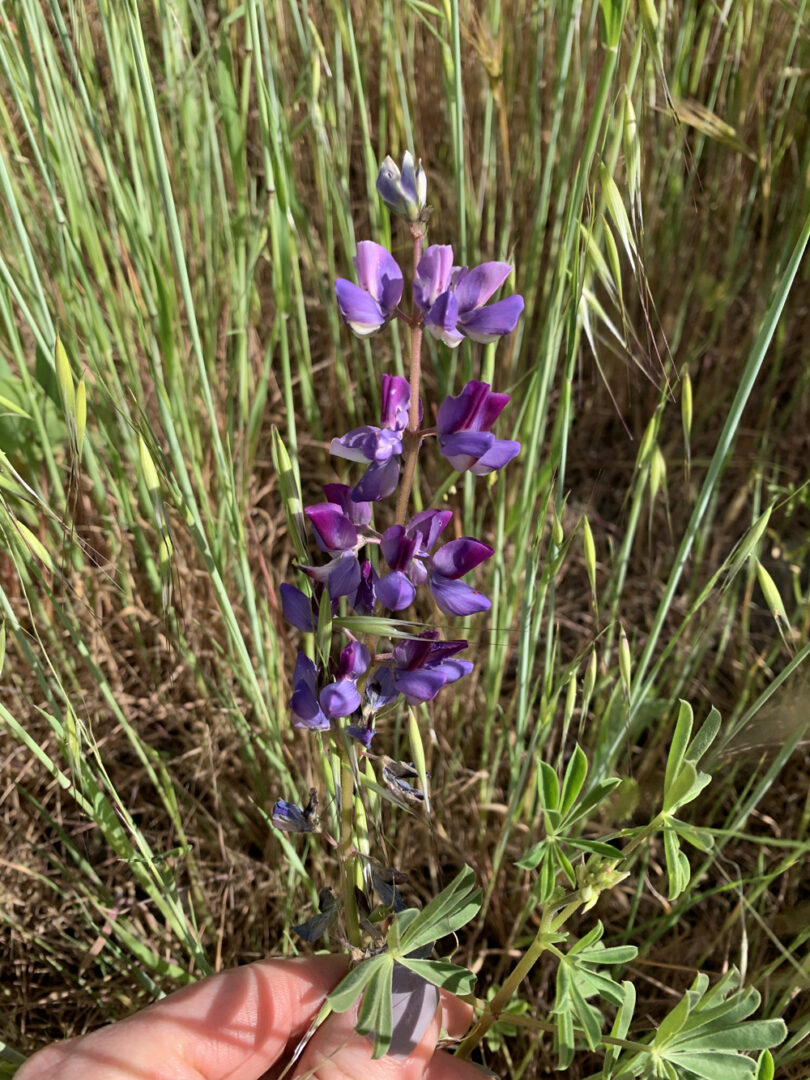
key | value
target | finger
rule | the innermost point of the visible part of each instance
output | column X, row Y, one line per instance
column 336, row 1052
column 233, row 1025
column 456, row 1015
column 443, row 1066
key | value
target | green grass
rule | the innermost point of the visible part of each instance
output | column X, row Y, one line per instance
column 179, row 186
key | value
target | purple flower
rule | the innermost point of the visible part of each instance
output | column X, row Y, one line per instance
column 463, row 425
column 423, row 665
column 291, row 818
column 407, row 549
column 405, row 192
column 358, row 512
column 306, row 708
column 378, row 693
column 341, row 697
column 313, row 709
column 370, row 304
column 379, row 447
column 454, row 299
column 336, row 534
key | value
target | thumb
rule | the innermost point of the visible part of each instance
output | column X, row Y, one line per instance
column 337, row 1052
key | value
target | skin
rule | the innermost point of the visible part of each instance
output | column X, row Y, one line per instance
column 243, row 1025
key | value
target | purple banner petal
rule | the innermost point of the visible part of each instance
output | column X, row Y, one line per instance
column 457, row 558
column 332, row 527
column 432, row 274
column 396, row 402
column 358, row 512
column 379, row 274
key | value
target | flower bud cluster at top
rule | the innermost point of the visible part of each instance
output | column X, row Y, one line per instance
column 450, row 302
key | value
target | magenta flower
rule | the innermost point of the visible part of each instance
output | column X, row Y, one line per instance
column 368, row 305
column 454, row 299
column 463, row 425
column 379, row 447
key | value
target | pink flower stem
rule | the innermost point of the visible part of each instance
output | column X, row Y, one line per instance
column 412, row 437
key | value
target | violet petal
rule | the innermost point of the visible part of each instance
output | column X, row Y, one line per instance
column 432, row 274
column 377, row 482
column 455, row 597
column 487, row 324
column 354, row 660
column 457, row 558
column 363, row 315
column 332, row 527
column 396, row 402
column 340, row 698
column 441, row 319
column 296, row 608
column 379, row 274
column 500, row 453
column 423, row 684
column 398, row 547
column 395, row 591
column 426, row 526
column 477, row 286
column 358, row 512
column 464, row 449
column 344, row 575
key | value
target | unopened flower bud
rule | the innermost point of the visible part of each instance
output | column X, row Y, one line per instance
column 403, row 192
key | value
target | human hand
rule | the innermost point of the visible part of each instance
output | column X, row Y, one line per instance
column 244, row 1024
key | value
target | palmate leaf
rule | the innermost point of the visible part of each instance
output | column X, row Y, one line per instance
column 349, row 989
column 446, row 913
column 581, row 976
column 376, row 1015
column 706, row 1035
column 379, row 1016
column 451, row 977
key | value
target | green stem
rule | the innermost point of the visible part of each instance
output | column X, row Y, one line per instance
column 347, row 846
column 544, row 938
